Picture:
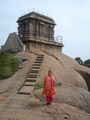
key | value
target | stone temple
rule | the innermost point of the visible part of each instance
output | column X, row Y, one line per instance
column 36, row 31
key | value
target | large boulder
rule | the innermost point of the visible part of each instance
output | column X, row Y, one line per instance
column 73, row 96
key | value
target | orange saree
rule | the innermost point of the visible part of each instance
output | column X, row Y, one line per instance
column 49, row 89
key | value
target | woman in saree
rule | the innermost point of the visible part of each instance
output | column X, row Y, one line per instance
column 49, row 87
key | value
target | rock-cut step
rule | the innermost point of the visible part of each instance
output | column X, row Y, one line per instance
column 34, row 71
column 26, row 90
column 32, row 76
column 40, row 54
column 37, row 61
column 38, row 57
column 30, row 79
column 36, row 64
column 26, row 83
column 35, row 67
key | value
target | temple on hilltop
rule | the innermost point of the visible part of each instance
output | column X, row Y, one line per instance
column 34, row 31
column 37, row 31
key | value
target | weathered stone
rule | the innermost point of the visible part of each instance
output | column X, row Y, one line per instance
column 26, row 90
column 37, row 31
column 2, row 97
column 13, row 43
column 29, row 83
column 73, row 96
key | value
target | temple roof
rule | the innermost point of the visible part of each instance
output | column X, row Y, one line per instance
column 35, row 15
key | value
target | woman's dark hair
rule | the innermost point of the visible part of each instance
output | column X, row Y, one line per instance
column 49, row 71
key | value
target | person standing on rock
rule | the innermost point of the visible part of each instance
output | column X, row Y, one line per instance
column 49, row 87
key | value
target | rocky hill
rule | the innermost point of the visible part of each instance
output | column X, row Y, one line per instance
column 72, row 100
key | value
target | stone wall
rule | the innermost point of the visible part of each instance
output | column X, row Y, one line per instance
column 43, row 46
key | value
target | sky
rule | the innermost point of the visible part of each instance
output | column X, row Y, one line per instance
column 72, row 19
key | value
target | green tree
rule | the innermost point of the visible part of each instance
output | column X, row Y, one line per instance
column 87, row 63
column 9, row 64
column 79, row 60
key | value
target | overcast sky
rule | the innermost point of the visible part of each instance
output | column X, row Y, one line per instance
column 71, row 16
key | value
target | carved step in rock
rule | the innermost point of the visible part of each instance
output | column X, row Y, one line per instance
column 32, row 76
column 29, row 83
column 31, row 80
column 33, row 71
column 37, row 61
column 36, row 64
column 40, row 56
column 26, row 90
column 35, row 68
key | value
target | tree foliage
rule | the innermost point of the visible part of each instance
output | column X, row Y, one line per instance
column 87, row 63
column 81, row 62
column 9, row 64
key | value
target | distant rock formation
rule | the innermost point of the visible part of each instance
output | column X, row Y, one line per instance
column 13, row 43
